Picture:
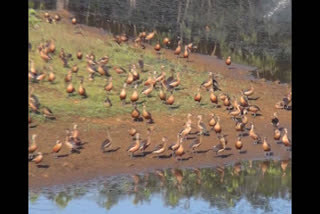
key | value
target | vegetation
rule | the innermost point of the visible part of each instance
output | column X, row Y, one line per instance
column 54, row 95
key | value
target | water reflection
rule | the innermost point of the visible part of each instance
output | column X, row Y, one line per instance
column 252, row 32
column 222, row 188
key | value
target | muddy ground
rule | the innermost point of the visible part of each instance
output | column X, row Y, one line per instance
column 91, row 162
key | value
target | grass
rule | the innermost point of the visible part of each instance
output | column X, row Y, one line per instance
column 55, row 97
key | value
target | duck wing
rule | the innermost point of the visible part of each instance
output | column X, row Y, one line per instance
column 131, row 145
column 159, row 146
column 194, row 142
column 105, row 144
column 205, row 131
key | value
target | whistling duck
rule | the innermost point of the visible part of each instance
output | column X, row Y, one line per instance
column 184, row 132
column 244, row 117
column 51, row 46
column 135, row 96
column 75, row 135
column 57, row 147
column 223, row 97
column 134, row 72
column 176, row 82
column 235, row 112
column 146, row 114
column 33, row 106
column 103, row 60
column 285, row 140
column 48, row 113
column 248, row 92
column 82, row 90
column 166, row 41
column 243, row 101
column 103, row 70
column 123, row 94
column 70, row 143
column 107, row 142
column 124, row 37
column 180, row 151
column 186, row 52
column 150, row 36
column 239, row 144
column 202, row 127
column 33, row 69
column 212, row 121
column 228, row 61
column 41, row 77
column 51, row 77
column 277, row 134
column 134, row 146
column 109, row 86
column 150, row 80
column 135, row 114
column 74, row 21
column 189, row 115
column 70, row 89
column 132, row 131
column 280, row 105
column 119, row 70
column 208, row 83
column 79, row 55
column 213, row 97
column 175, row 146
column 254, row 109
column 217, row 128
column 266, row 147
column 68, row 77
column 196, row 143
column 221, row 146
column 197, row 96
column 38, row 158
column 130, row 78
column 240, row 127
column 157, row 47
column 275, row 120
column 141, row 63
column 49, row 20
column 147, row 91
column 34, row 99
column 178, row 49
column 107, row 102
column 162, row 95
column 226, row 101
column 160, row 77
column 161, row 148
column 75, row 69
column 33, row 147
column 170, row 100
column 57, row 17
column 91, row 69
column 253, row 135
column 147, row 142
column 45, row 56
column 46, row 15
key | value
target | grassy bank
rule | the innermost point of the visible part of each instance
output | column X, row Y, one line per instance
column 55, row 97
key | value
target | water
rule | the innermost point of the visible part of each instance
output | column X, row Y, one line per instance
column 254, row 33
column 265, row 187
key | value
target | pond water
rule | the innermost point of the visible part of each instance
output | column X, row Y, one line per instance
column 252, row 32
column 246, row 187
